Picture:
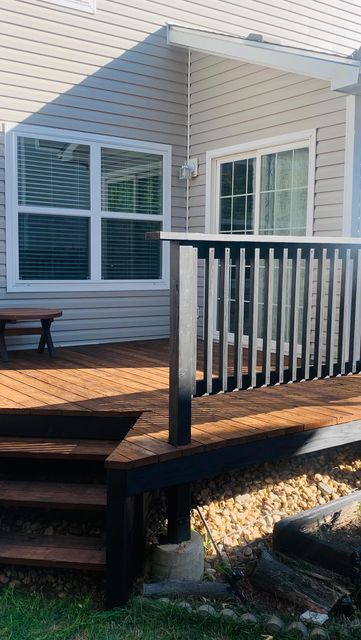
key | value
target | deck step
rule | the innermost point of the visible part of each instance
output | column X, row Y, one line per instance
column 53, row 495
column 63, row 552
column 56, row 448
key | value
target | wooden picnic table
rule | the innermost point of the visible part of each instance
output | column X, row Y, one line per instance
column 14, row 315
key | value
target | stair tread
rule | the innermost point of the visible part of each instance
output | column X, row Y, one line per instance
column 52, row 495
column 56, row 448
column 67, row 552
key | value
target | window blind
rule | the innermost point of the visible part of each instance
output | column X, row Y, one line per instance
column 53, row 174
column 126, row 254
column 53, row 247
column 132, row 182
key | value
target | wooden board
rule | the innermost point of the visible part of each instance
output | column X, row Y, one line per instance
column 66, row 552
column 51, row 495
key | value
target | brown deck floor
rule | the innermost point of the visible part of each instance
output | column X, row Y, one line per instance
column 134, row 377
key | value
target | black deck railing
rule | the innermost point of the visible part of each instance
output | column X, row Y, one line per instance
column 270, row 310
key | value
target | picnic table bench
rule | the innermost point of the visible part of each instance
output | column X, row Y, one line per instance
column 12, row 316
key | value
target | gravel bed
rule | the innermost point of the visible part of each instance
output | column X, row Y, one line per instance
column 241, row 508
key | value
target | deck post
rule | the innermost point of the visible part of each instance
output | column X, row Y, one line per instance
column 124, row 539
column 179, row 506
column 183, row 347
column 183, row 341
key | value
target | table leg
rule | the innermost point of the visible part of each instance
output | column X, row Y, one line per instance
column 46, row 339
column 3, row 350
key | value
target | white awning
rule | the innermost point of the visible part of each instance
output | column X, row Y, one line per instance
column 344, row 74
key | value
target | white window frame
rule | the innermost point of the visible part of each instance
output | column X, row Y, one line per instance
column 96, row 142
column 216, row 157
column 88, row 6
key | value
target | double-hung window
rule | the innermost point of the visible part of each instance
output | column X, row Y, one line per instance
column 78, row 211
column 265, row 190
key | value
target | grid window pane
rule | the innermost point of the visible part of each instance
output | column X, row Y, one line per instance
column 284, row 188
column 236, row 204
column 126, row 253
column 131, row 182
column 53, row 247
column 53, row 173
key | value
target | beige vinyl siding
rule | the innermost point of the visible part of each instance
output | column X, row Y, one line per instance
column 233, row 103
column 112, row 73
column 100, row 74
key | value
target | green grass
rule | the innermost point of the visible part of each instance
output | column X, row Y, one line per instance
column 27, row 617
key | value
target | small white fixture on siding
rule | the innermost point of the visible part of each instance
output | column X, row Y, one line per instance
column 189, row 169
column 79, row 5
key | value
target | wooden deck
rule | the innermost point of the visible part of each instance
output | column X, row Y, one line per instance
column 132, row 379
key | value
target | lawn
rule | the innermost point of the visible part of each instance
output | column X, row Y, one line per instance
column 27, row 617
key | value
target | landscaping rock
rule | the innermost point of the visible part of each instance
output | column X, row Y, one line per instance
column 315, row 618
column 206, row 610
column 318, row 634
column 249, row 618
column 274, row 624
column 230, row 615
column 184, row 605
column 325, row 489
column 298, row 628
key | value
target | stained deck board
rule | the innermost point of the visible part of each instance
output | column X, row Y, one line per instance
column 66, row 552
column 127, row 378
column 55, row 448
column 52, row 495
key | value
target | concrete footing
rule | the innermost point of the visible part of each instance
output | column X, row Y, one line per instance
column 184, row 561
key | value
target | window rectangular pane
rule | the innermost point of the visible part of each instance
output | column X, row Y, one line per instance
column 300, row 169
column 284, row 188
column 131, row 182
column 53, row 247
column 236, row 203
column 268, row 172
column 226, row 178
column 53, row 173
column 284, row 170
column 126, row 253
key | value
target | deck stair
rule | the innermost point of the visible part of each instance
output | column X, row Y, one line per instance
column 54, row 551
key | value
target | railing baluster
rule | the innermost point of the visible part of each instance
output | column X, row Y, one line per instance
column 224, row 318
column 331, row 312
column 321, row 288
column 239, row 318
column 344, row 311
column 354, row 315
column 253, row 317
column 268, row 312
column 209, row 303
column 307, row 313
column 281, row 317
column 294, row 315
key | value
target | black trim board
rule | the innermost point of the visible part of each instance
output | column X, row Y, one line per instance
column 82, row 426
column 195, row 466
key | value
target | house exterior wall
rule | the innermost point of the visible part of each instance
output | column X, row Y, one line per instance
column 233, row 103
column 112, row 73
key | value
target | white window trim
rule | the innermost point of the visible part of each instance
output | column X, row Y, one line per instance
column 215, row 157
column 14, row 284
column 352, row 181
column 87, row 6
